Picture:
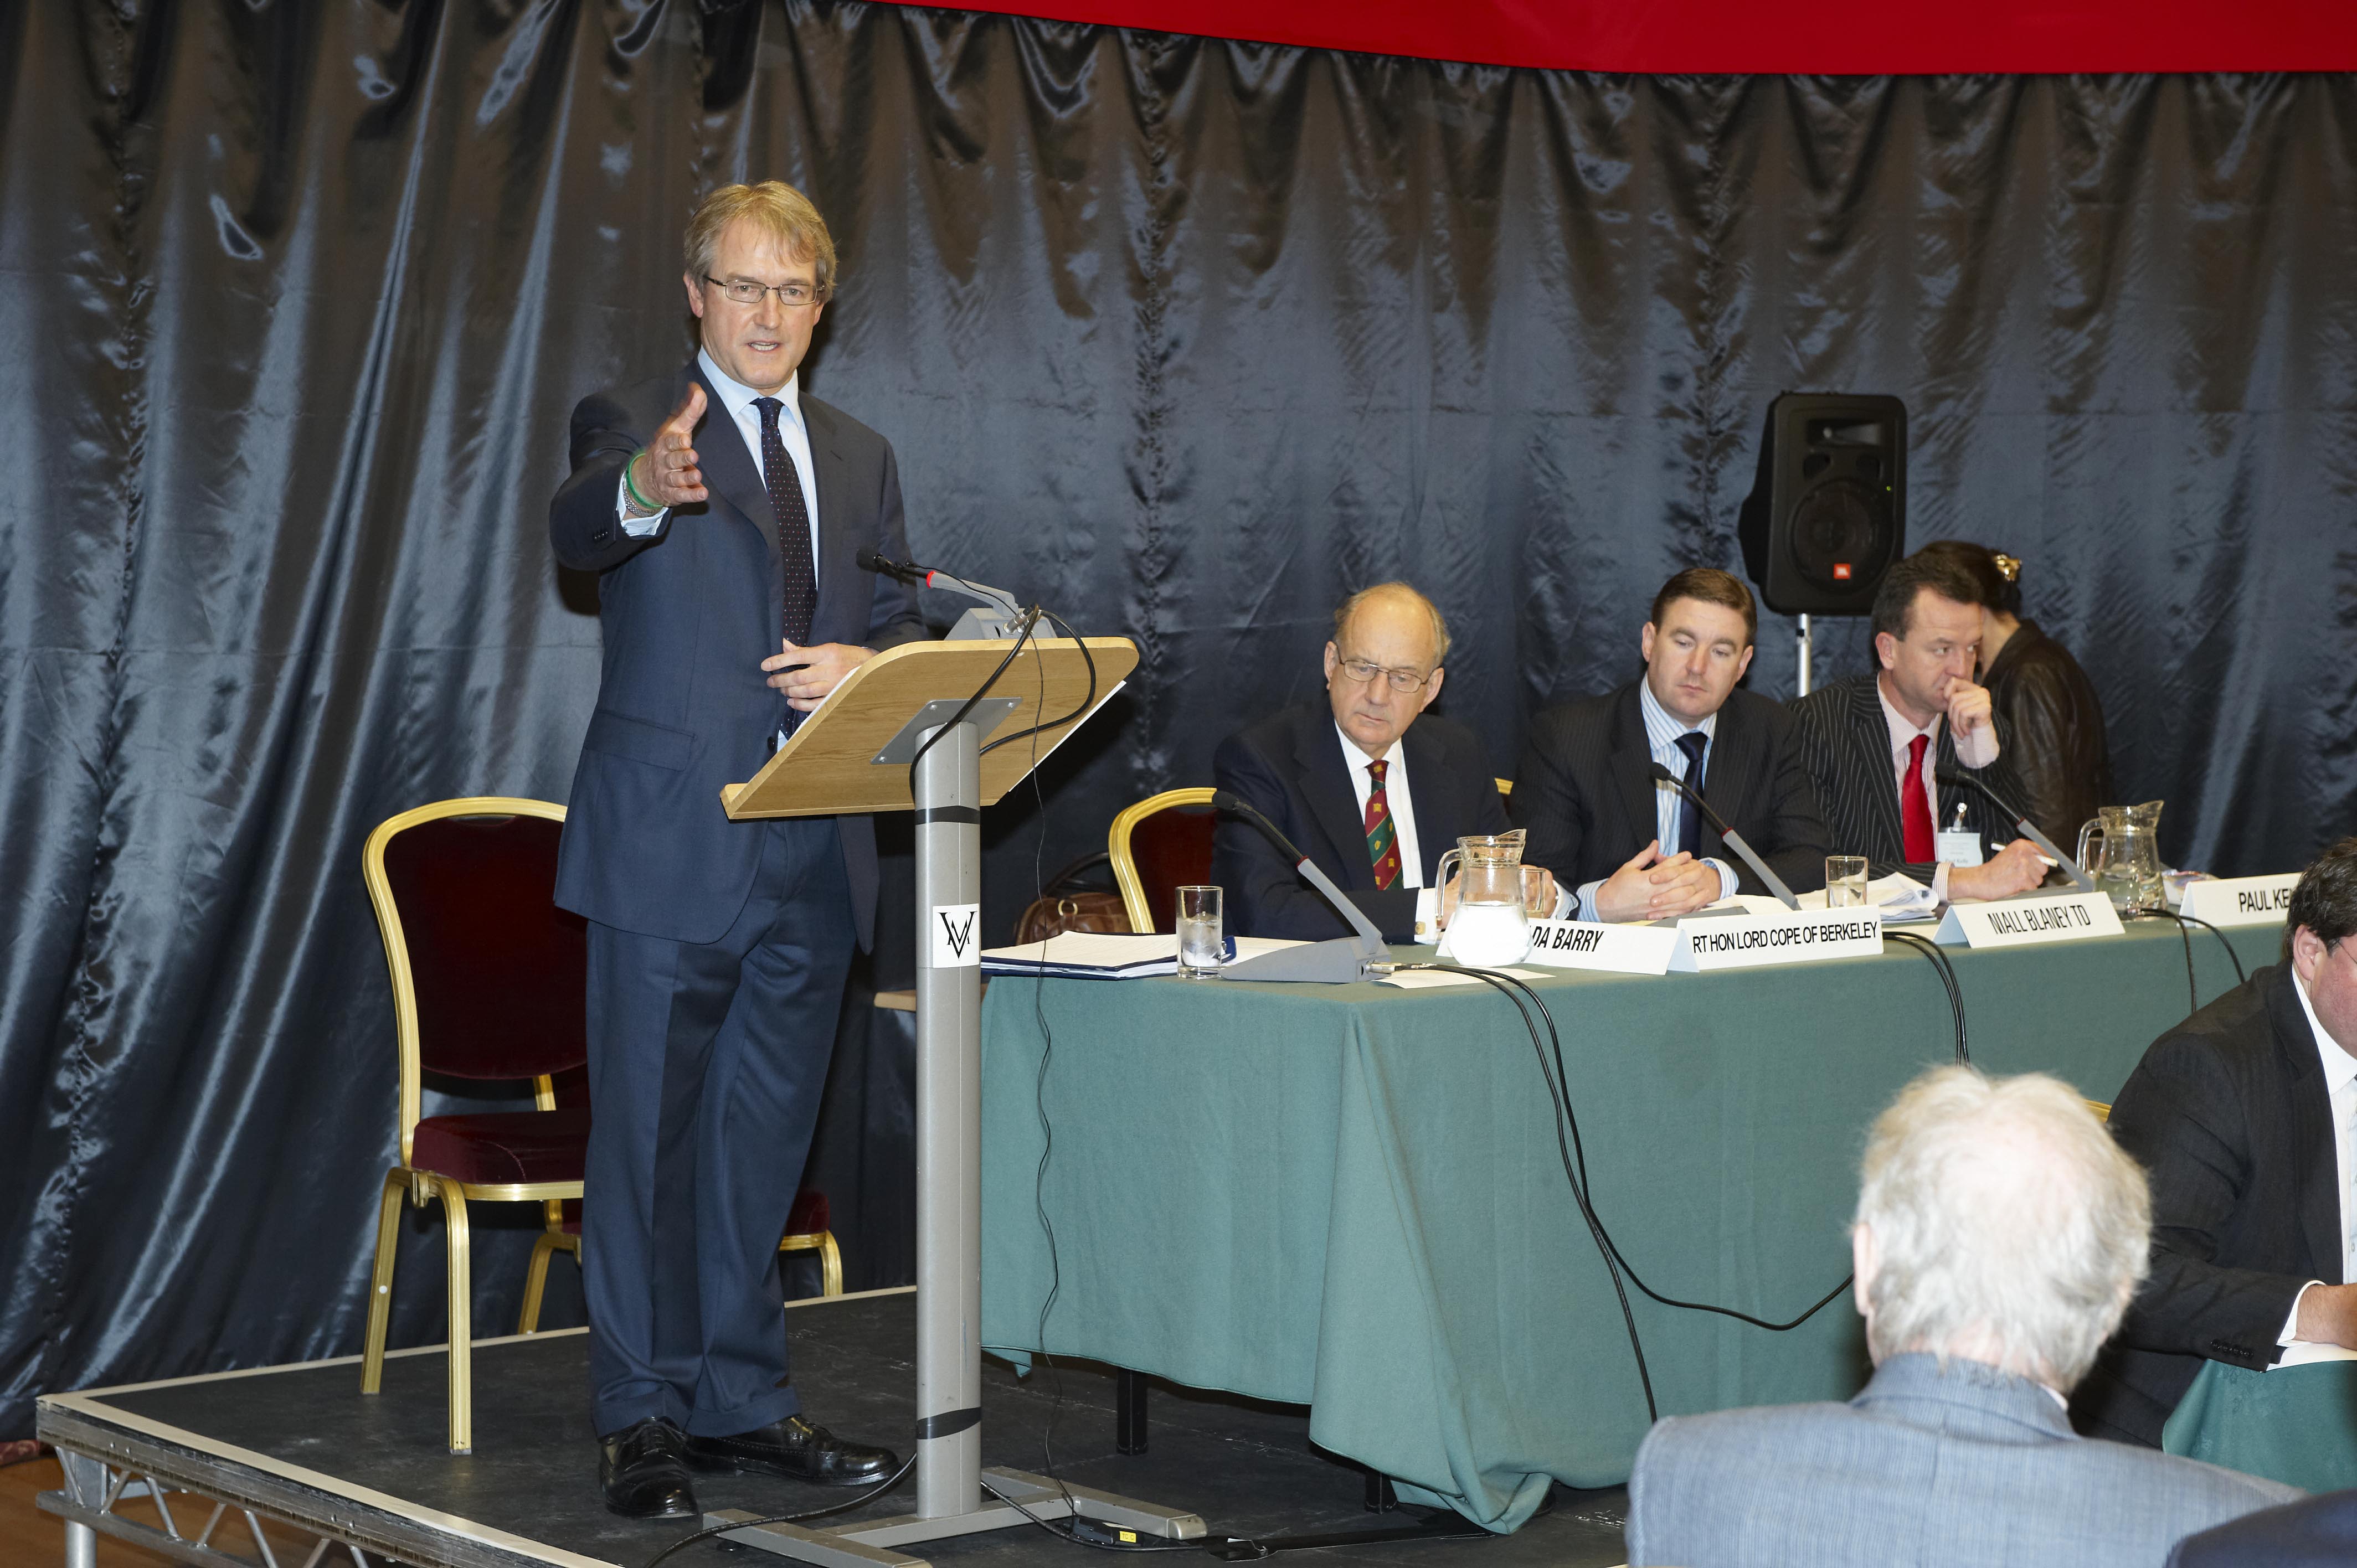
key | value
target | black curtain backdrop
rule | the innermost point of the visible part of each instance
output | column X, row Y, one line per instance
column 1185, row 338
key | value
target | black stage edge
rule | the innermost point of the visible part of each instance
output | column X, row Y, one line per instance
column 302, row 1444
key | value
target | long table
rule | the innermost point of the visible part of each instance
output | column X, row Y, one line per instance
column 1351, row 1197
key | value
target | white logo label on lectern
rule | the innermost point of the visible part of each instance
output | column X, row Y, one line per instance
column 956, row 937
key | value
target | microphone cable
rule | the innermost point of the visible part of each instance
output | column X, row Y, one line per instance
column 2184, row 923
column 1573, row 1152
column 1081, row 711
column 870, row 1494
column 1947, row 972
column 1022, row 637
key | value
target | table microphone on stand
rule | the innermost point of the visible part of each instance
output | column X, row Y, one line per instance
column 2022, row 825
column 1734, row 840
column 1338, row 961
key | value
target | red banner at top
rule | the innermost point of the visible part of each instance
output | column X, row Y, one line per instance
column 1903, row 37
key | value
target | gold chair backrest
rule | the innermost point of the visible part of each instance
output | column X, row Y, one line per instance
column 396, row 946
column 1124, row 864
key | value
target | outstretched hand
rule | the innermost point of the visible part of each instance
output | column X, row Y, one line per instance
column 668, row 472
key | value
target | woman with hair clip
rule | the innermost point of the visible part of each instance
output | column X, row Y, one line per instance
column 2048, row 715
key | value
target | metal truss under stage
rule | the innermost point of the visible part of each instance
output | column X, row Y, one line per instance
column 293, row 1467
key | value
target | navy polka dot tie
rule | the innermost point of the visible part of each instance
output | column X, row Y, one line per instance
column 800, row 592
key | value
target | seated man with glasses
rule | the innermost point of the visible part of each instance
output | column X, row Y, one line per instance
column 1371, row 801
column 2247, row 1116
column 1636, row 850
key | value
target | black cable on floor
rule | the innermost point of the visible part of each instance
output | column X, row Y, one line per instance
column 869, row 1496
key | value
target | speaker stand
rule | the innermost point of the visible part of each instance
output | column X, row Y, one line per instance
column 1801, row 637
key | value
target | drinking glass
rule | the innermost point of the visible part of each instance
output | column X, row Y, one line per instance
column 1845, row 881
column 1202, row 950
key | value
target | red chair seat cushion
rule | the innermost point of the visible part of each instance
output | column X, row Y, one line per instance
column 503, row 1146
column 807, row 1216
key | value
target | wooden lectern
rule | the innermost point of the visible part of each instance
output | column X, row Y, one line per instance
column 852, row 755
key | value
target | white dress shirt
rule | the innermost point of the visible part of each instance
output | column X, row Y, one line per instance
column 1663, row 729
column 737, row 400
column 2340, row 1078
column 1975, row 748
column 1395, row 795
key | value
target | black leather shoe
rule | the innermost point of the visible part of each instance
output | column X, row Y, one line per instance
column 798, row 1451
column 643, row 1469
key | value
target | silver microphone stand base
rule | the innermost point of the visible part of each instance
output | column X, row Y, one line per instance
column 870, row 1544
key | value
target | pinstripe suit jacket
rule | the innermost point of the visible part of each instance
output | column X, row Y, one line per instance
column 1586, row 792
column 1928, row 1468
column 1845, row 745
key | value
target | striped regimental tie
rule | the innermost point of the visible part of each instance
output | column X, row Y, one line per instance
column 1383, row 839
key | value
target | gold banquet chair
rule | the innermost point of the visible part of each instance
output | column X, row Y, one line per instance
column 489, row 981
column 1157, row 846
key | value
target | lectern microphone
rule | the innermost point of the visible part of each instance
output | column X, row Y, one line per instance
column 1734, row 840
column 1338, row 961
column 933, row 578
column 2022, row 825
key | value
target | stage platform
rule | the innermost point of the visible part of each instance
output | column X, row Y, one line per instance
column 302, row 1446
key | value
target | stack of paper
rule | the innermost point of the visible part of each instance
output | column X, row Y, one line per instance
column 1088, row 955
column 1895, row 897
column 1096, row 955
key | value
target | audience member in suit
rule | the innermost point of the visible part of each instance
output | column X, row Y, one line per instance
column 1875, row 743
column 722, row 510
column 1638, row 851
column 1999, row 1234
column 2315, row 1532
column 1371, row 800
column 2242, row 1115
column 2045, row 705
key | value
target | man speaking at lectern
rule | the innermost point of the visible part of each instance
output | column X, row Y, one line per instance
column 721, row 509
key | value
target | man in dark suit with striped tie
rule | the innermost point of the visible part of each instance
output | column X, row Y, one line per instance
column 1876, row 744
column 1634, row 850
column 722, row 510
column 1371, row 801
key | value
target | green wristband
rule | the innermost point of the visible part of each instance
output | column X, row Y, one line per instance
column 631, row 486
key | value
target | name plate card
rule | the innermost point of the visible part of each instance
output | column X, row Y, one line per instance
column 1796, row 936
column 1615, row 950
column 2240, row 900
column 2019, row 922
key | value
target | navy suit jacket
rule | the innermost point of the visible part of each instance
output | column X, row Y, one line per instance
column 2312, row 1533
column 2230, row 1113
column 688, row 613
column 1585, row 790
column 1291, row 767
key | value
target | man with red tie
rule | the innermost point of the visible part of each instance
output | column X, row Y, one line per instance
column 1371, row 801
column 1878, row 743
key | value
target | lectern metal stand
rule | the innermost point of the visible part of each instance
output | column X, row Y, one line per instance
column 951, row 1501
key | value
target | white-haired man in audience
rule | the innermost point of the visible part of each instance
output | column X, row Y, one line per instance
column 2000, row 1235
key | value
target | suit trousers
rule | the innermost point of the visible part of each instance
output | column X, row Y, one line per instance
column 707, row 1065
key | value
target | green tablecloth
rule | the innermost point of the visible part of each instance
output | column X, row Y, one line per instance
column 1350, row 1196
column 2295, row 1424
